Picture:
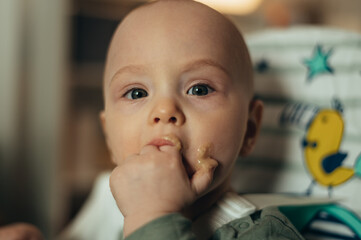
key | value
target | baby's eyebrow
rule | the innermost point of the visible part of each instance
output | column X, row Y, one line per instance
column 200, row 63
column 128, row 69
column 191, row 66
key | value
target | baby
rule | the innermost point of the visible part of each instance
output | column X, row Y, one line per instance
column 179, row 110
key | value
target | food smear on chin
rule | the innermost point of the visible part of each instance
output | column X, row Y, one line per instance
column 203, row 158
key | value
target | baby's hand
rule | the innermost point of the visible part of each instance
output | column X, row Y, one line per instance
column 155, row 183
column 20, row 231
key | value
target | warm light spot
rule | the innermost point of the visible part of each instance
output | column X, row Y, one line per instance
column 237, row 7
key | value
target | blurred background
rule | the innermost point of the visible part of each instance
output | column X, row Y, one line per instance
column 51, row 63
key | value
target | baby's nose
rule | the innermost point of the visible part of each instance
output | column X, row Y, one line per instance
column 166, row 111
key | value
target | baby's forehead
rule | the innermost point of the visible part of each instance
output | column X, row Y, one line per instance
column 179, row 16
column 165, row 20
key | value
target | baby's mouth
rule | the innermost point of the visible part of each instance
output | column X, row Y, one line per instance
column 204, row 161
column 170, row 140
column 174, row 140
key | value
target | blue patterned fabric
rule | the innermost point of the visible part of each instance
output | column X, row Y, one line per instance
column 310, row 144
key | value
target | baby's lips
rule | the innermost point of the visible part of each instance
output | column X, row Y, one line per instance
column 173, row 139
column 166, row 140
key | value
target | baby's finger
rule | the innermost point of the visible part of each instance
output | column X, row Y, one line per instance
column 169, row 149
column 148, row 148
column 203, row 177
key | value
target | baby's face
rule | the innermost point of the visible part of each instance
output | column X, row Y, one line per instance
column 171, row 74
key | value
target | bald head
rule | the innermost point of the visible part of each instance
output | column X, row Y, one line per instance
column 181, row 27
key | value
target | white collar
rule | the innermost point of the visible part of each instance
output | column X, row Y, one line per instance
column 230, row 207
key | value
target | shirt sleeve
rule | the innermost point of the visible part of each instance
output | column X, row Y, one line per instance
column 171, row 226
column 268, row 223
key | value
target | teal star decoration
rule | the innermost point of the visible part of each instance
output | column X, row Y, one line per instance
column 318, row 64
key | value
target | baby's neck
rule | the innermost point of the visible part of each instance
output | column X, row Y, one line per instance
column 206, row 202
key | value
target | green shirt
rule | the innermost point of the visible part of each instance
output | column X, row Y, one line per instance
column 268, row 223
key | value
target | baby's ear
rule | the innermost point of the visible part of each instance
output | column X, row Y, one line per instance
column 253, row 126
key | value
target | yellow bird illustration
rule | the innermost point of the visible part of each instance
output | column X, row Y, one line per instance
column 321, row 149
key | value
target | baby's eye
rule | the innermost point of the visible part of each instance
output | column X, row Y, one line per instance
column 135, row 93
column 200, row 90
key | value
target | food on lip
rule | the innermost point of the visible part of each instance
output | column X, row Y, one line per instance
column 173, row 139
column 203, row 158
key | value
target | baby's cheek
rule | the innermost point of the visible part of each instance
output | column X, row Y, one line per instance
column 118, row 150
column 226, row 151
column 123, row 141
